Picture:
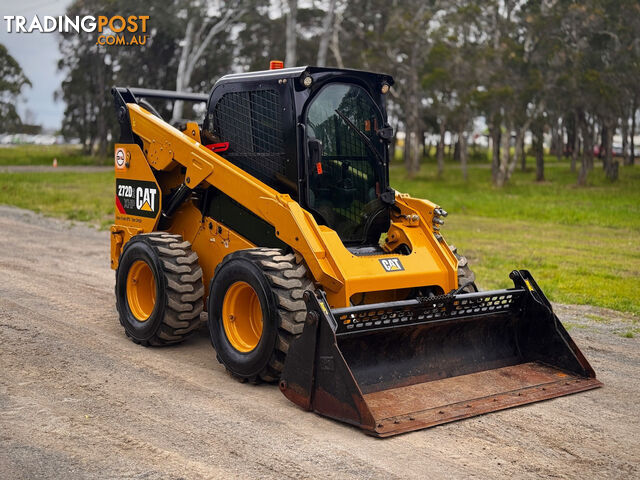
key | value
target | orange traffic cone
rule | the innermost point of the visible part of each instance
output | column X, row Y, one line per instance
column 55, row 163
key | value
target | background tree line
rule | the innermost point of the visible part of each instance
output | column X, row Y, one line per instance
column 12, row 81
column 566, row 68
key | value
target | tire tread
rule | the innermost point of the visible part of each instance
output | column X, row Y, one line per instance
column 184, row 289
column 289, row 280
column 465, row 274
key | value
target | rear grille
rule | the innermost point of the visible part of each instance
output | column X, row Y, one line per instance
column 251, row 121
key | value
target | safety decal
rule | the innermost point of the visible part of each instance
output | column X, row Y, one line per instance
column 120, row 158
column 391, row 264
column 135, row 197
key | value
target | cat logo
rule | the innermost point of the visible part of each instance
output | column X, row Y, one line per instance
column 137, row 197
column 391, row 264
column 146, row 199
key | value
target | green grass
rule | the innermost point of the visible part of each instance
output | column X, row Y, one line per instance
column 557, row 200
column 631, row 333
column 597, row 318
column 571, row 325
column 85, row 197
column 572, row 263
column 582, row 245
column 67, row 155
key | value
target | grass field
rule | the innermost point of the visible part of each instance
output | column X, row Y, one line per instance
column 558, row 199
column 67, row 155
column 581, row 244
column 86, row 197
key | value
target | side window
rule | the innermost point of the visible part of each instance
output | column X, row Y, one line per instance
column 251, row 121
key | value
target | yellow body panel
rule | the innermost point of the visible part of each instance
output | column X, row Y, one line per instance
column 134, row 166
column 212, row 241
column 339, row 272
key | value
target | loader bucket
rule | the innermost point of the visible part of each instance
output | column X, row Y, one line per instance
column 395, row 367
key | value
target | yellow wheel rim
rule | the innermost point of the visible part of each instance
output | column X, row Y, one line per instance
column 141, row 290
column 242, row 317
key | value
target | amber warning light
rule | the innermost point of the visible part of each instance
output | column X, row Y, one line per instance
column 276, row 65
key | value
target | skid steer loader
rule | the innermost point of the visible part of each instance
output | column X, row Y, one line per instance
column 275, row 214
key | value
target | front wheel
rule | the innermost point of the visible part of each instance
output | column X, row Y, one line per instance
column 256, row 310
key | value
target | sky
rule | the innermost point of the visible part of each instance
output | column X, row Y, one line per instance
column 37, row 53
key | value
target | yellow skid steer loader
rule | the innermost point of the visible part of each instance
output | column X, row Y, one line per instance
column 275, row 215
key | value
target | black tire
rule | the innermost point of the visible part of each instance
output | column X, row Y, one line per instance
column 178, row 289
column 279, row 281
column 466, row 277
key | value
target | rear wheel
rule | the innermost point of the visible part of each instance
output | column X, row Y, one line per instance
column 159, row 289
column 256, row 310
column 466, row 277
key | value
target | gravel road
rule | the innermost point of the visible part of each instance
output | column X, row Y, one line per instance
column 79, row 400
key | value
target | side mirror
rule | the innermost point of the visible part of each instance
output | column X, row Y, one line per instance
column 315, row 153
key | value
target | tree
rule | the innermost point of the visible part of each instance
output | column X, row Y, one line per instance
column 438, row 84
column 200, row 32
column 400, row 41
column 326, row 34
column 85, row 90
column 91, row 70
column 292, row 34
column 335, row 39
column 12, row 81
column 567, row 67
column 450, row 77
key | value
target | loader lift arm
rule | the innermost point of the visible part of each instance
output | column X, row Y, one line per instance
column 322, row 249
column 163, row 146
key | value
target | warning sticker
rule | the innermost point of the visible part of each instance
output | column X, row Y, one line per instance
column 136, row 197
column 120, row 158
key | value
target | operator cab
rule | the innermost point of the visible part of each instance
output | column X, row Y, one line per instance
column 318, row 134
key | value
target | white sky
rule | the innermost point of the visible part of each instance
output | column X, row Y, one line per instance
column 37, row 53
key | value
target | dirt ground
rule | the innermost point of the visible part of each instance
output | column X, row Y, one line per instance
column 79, row 400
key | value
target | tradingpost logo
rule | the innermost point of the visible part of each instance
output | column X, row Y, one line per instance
column 114, row 30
